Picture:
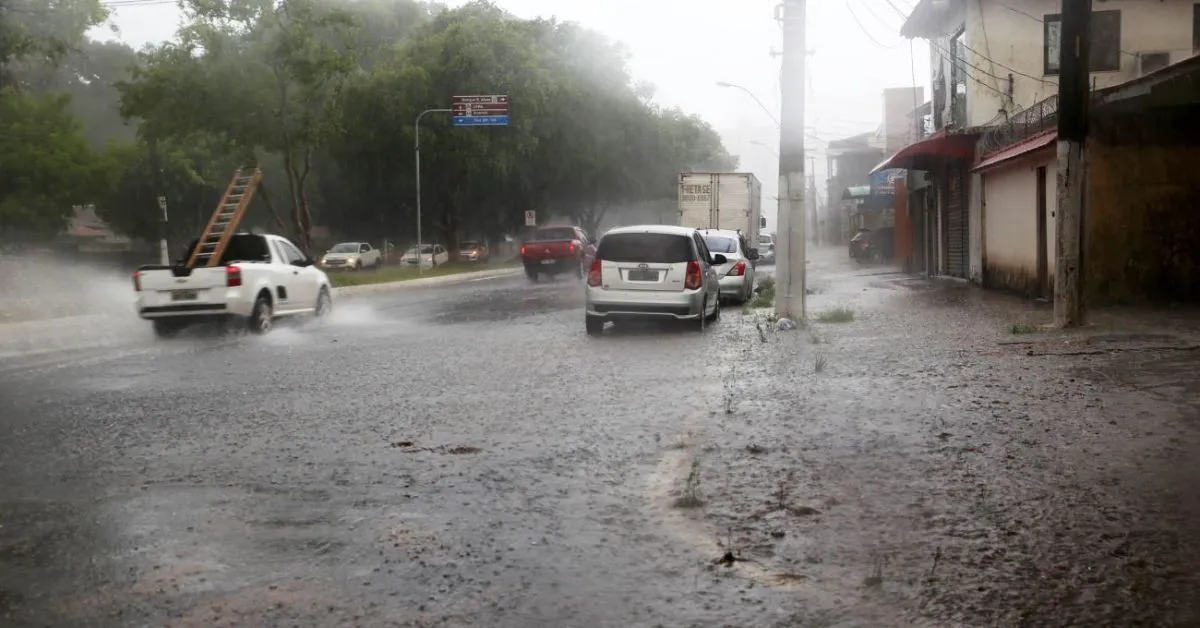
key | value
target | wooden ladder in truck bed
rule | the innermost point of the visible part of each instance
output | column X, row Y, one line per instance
column 230, row 210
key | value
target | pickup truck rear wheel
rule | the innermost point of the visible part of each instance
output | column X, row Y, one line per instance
column 531, row 273
column 594, row 325
column 260, row 316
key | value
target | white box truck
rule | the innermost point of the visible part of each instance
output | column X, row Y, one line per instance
column 721, row 200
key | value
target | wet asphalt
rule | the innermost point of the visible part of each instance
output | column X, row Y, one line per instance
column 454, row 455
column 464, row 455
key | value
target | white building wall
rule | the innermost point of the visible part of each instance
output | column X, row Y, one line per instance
column 1010, row 212
column 1010, row 34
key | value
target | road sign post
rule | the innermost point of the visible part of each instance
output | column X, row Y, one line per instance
column 489, row 110
column 480, row 110
column 530, row 218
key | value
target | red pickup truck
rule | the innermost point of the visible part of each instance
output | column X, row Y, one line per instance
column 555, row 250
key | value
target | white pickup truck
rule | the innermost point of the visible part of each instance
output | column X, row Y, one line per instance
column 260, row 278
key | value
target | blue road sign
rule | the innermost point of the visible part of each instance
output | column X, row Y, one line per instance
column 480, row 120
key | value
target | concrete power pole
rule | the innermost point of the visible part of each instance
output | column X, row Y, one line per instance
column 814, row 223
column 1073, row 100
column 790, row 273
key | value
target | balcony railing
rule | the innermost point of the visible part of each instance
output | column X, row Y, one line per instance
column 1040, row 116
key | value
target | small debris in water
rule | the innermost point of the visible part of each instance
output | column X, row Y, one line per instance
column 786, row 324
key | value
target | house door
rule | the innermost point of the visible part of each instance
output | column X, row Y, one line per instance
column 1043, row 264
column 956, row 222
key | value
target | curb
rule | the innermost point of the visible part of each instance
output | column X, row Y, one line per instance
column 348, row 291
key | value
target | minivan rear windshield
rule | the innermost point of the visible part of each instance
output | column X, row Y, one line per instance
column 651, row 248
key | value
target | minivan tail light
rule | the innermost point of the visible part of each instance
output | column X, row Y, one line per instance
column 137, row 281
column 694, row 278
column 233, row 277
column 594, row 273
column 738, row 270
column 522, row 249
column 572, row 247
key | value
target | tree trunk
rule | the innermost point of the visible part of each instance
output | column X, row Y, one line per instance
column 266, row 199
column 304, row 211
column 289, row 166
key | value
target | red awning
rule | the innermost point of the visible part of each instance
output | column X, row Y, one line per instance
column 929, row 152
column 1013, row 151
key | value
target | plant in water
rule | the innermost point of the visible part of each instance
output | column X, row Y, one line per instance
column 691, row 490
column 839, row 314
column 820, row 362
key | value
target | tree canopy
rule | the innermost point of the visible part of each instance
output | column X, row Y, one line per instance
column 323, row 96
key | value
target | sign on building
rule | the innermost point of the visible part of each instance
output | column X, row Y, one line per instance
column 883, row 183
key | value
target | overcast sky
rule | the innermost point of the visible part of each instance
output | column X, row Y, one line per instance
column 684, row 47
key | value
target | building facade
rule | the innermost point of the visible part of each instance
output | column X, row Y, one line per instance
column 982, row 186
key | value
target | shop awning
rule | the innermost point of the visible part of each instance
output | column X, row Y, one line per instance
column 931, row 151
column 856, row 192
column 1013, row 151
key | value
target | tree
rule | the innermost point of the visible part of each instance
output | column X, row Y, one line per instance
column 46, row 166
column 42, row 32
column 265, row 77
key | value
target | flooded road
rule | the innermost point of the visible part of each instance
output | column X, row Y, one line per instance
column 464, row 455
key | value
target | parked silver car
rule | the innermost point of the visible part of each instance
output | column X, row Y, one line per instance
column 653, row 272
column 766, row 248
column 736, row 275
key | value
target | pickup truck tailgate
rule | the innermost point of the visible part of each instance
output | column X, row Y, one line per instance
column 162, row 287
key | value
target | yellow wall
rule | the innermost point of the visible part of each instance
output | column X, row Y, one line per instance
column 1142, row 237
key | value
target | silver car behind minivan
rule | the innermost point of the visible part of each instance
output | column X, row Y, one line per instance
column 652, row 272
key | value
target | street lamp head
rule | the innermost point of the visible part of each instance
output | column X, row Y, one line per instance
column 724, row 84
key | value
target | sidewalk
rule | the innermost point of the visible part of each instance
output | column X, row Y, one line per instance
column 934, row 462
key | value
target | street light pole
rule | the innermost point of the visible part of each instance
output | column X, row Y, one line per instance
column 790, row 301
column 417, row 159
column 755, row 98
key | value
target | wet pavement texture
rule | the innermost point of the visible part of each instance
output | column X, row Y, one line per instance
column 464, row 455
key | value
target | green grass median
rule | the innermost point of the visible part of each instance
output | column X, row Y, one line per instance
column 345, row 278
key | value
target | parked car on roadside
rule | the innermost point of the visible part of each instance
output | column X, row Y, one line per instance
column 352, row 256
column 473, row 251
column 658, row 272
column 766, row 248
column 737, row 273
column 430, row 255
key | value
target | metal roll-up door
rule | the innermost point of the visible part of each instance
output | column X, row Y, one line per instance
column 956, row 223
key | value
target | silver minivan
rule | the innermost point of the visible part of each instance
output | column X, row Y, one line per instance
column 652, row 272
column 737, row 273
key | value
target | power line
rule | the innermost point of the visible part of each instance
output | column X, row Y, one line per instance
column 864, row 28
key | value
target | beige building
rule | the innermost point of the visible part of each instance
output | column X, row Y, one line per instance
column 994, row 77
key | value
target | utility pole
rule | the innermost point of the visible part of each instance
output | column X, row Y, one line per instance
column 814, row 217
column 164, row 253
column 790, row 290
column 1073, row 103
